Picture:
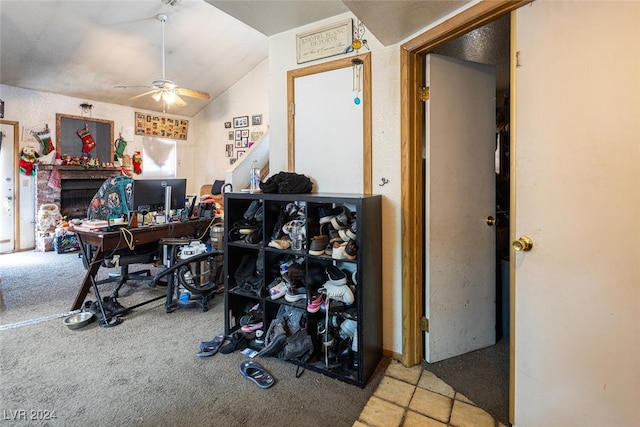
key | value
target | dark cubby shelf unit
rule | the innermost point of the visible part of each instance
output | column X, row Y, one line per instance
column 367, row 308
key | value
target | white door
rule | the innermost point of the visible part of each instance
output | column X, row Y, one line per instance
column 328, row 126
column 577, row 196
column 459, row 150
column 7, row 188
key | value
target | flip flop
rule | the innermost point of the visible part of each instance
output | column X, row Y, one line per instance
column 237, row 341
column 212, row 347
column 256, row 373
column 205, row 344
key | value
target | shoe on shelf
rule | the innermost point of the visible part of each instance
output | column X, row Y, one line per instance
column 295, row 293
column 326, row 214
column 318, row 244
column 277, row 288
column 351, row 250
column 346, row 250
column 336, row 276
column 313, row 306
column 344, row 235
column 342, row 220
column 280, row 244
column 251, row 327
column 294, row 273
column 334, row 234
column 338, row 292
column 338, row 251
column 351, row 232
column 328, row 250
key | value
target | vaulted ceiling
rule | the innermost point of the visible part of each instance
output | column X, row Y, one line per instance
column 86, row 49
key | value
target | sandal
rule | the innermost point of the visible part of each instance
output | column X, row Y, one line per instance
column 237, row 341
column 209, row 348
column 256, row 373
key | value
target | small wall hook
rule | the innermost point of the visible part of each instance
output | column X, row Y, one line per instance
column 383, row 181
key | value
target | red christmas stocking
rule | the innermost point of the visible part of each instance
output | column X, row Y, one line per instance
column 88, row 143
column 45, row 139
column 137, row 163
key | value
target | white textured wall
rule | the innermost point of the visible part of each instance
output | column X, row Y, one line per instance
column 35, row 109
column 250, row 96
column 386, row 151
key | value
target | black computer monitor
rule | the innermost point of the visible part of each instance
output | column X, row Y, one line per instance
column 149, row 194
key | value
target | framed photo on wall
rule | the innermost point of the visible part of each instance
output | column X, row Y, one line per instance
column 240, row 153
column 230, row 135
column 256, row 120
column 241, row 122
column 227, row 125
column 245, row 133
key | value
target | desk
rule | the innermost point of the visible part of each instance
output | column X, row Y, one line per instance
column 107, row 241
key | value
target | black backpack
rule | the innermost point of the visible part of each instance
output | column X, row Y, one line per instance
column 287, row 182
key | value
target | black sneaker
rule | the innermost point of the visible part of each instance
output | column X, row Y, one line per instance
column 336, row 276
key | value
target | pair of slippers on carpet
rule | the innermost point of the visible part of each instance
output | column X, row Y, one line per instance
column 249, row 369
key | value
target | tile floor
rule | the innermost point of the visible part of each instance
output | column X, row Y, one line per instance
column 414, row 397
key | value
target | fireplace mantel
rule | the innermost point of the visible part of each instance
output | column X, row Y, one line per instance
column 79, row 172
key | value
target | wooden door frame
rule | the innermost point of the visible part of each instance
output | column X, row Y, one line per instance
column 16, row 183
column 412, row 132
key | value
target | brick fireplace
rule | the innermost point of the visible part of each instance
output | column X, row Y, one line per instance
column 77, row 187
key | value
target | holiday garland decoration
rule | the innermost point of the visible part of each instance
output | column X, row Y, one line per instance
column 88, row 143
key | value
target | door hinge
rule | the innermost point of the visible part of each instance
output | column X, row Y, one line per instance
column 424, row 324
column 423, row 94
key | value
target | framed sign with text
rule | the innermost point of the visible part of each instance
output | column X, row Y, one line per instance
column 324, row 42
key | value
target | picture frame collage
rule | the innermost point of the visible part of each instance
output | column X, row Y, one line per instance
column 239, row 136
column 161, row 126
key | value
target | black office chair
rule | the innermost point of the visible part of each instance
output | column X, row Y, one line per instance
column 123, row 258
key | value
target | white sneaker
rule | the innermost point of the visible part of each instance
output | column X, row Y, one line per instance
column 278, row 288
column 338, row 292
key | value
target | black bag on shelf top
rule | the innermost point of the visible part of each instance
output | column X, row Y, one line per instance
column 287, row 182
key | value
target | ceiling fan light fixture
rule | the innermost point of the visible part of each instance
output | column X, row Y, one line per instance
column 169, row 97
column 164, row 90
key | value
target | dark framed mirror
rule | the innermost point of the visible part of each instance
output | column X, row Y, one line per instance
column 72, row 132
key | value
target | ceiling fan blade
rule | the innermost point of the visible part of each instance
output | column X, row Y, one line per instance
column 192, row 93
column 156, row 96
column 133, row 87
column 145, row 94
column 179, row 101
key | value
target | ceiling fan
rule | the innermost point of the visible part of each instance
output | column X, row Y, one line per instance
column 166, row 90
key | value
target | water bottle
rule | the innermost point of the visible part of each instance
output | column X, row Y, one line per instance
column 254, row 177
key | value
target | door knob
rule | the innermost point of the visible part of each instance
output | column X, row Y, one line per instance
column 490, row 220
column 524, row 244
